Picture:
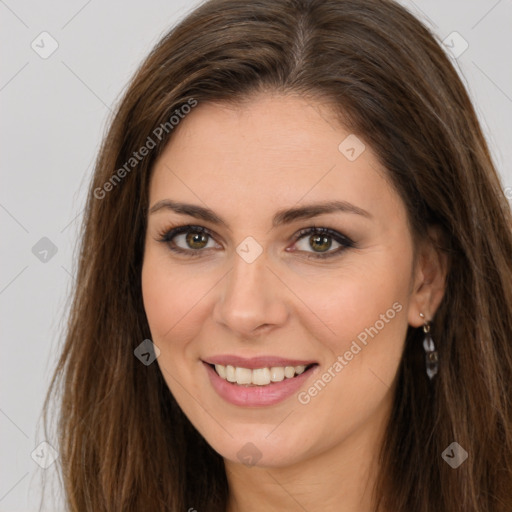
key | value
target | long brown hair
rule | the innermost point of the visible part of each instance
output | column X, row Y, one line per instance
column 124, row 443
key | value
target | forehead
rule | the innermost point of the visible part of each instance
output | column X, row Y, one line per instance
column 267, row 153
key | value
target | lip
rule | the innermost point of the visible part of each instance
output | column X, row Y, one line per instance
column 253, row 363
column 257, row 396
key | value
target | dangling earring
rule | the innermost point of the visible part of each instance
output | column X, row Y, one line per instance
column 431, row 355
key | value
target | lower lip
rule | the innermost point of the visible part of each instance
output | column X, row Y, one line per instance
column 254, row 396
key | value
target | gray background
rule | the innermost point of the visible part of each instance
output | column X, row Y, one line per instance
column 54, row 113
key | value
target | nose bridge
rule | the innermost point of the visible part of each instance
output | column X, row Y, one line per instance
column 251, row 295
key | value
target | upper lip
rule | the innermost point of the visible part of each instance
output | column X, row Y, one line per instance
column 256, row 362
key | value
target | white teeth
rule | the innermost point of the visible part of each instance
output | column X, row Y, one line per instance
column 243, row 375
column 258, row 376
column 299, row 369
column 276, row 373
column 221, row 370
column 261, row 376
column 230, row 373
column 289, row 372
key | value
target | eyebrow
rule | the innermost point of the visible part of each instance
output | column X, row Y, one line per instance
column 282, row 217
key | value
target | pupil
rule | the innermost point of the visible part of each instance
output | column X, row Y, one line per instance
column 323, row 242
column 193, row 238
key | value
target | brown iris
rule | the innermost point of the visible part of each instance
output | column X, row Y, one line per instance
column 196, row 238
column 320, row 242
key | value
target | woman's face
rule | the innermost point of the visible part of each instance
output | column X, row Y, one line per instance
column 258, row 288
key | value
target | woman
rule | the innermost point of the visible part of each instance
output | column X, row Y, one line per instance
column 295, row 281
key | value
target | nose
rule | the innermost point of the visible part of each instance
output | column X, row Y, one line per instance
column 252, row 299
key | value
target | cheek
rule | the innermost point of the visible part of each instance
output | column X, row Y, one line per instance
column 365, row 311
column 172, row 301
column 363, row 325
column 346, row 302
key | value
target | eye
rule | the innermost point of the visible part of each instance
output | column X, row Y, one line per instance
column 321, row 241
column 188, row 240
column 191, row 240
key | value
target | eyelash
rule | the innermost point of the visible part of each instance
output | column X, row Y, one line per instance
column 168, row 234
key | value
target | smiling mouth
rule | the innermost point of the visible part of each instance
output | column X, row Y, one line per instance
column 237, row 375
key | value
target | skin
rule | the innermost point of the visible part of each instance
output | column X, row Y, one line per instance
column 246, row 163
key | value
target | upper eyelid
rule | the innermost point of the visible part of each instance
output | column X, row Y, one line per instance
column 180, row 230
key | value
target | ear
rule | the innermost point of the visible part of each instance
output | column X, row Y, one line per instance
column 429, row 278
